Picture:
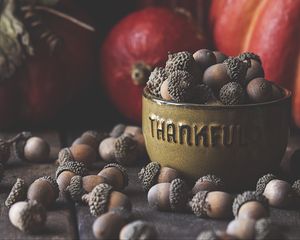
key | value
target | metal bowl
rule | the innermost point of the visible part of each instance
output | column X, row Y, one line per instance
column 238, row 143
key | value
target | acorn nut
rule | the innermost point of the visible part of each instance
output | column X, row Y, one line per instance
column 204, row 58
column 168, row 196
column 17, row 193
column 91, row 138
column 201, row 94
column 208, row 183
column 156, row 79
column 259, row 90
column 117, row 131
column 250, row 205
column 138, row 230
column 44, row 190
column 215, row 204
column 220, row 57
column 28, row 216
column 232, row 94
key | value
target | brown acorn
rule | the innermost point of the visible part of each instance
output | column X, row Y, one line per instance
column 156, row 78
column 181, row 61
column 208, row 183
column 137, row 135
column 44, row 190
column 17, row 193
column 232, row 94
column 164, row 91
column 201, row 94
column 259, row 90
column 117, row 131
column 250, row 205
column 138, row 230
column 153, row 173
column 276, row 92
column 204, row 58
column 91, row 138
column 215, row 204
column 220, row 57
column 168, row 196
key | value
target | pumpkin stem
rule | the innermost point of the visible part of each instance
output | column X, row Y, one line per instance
column 140, row 73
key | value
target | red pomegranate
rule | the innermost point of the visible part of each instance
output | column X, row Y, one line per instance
column 51, row 58
column 137, row 44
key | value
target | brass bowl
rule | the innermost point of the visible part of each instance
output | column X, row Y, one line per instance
column 238, row 143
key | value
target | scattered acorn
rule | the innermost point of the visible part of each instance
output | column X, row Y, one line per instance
column 169, row 196
column 250, row 205
column 44, row 190
column 220, row 57
column 28, row 216
column 103, row 198
column 17, row 193
column 117, row 131
column 66, row 171
column 208, row 183
column 156, row 79
column 232, row 93
column 215, row 204
column 153, row 173
column 259, row 90
column 204, row 58
column 215, row 235
column 138, row 230
column 91, row 138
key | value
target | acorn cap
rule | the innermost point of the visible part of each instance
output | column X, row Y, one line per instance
column 29, row 219
column 208, row 235
column 201, row 94
column 4, row 151
column 248, row 196
column 156, row 78
column 236, row 69
column 117, row 131
column 148, row 175
column 264, row 230
column 17, row 193
column 263, row 181
column 232, row 93
column 180, row 85
column 180, row 61
column 65, row 155
column 198, row 204
column 124, row 146
column 75, row 188
column 1, row 171
column 53, row 183
column 99, row 198
column 211, row 178
column 248, row 56
column 75, row 167
column 296, row 187
column 122, row 170
column 20, row 144
column 178, row 194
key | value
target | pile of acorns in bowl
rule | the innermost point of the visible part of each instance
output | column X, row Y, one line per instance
column 208, row 77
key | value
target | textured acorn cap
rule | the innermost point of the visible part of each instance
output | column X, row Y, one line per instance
column 211, row 178
column 201, row 94
column 122, row 170
column 232, row 93
column 75, row 167
column 98, row 199
column 29, row 219
column 296, row 187
column 208, row 235
column 248, row 56
column 236, row 69
column 20, row 144
column 65, row 155
column 53, row 183
column 156, row 78
column 263, row 181
column 1, row 171
column 248, row 196
column 148, row 175
column 75, row 189
column 178, row 194
column 180, row 61
column 180, row 85
column 17, row 193
column 198, row 204
column 124, row 146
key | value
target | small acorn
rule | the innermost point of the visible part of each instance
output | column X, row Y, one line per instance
column 208, row 183
column 232, row 94
column 259, row 90
column 138, row 230
column 215, row 235
column 168, row 196
column 137, row 135
column 276, row 92
column 204, row 58
column 17, row 193
column 278, row 192
column 66, row 171
column 215, row 204
column 220, row 57
column 91, row 138
column 103, row 198
column 28, row 216
column 44, row 190
column 181, row 61
column 117, row 131
column 250, row 205
column 108, row 225
column 153, row 173
column 164, row 91
column 156, row 78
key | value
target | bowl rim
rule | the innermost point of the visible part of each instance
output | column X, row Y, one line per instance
column 286, row 97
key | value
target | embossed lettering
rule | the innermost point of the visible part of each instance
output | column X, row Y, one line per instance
column 185, row 130
column 160, row 129
column 228, row 134
column 151, row 122
column 215, row 134
column 171, row 132
column 201, row 135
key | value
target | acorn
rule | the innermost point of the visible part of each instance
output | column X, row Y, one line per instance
column 66, row 171
column 103, row 198
column 168, row 196
column 276, row 92
column 156, row 78
column 117, row 131
column 164, row 91
column 136, row 134
column 153, row 173
column 17, row 193
column 44, row 190
column 278, row 192
column 255, row 69
column 232, row 94
column 215, row 204
column 208, row 183
column 28, row 216
column 204, row 58
column 250, row 205
column 259, row 90
column 115, row 175
column 220, row 57
column 91, row 138
column 181, row 61
column 108, row 225
column 215, row 235
column 201, row 93
column 138, row 230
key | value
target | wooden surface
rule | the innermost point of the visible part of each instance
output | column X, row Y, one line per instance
column 69, row 221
